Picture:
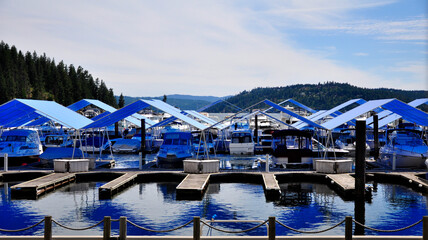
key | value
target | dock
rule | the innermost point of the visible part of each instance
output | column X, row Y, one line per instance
column 271, row 186
column 345, row 183
column 193, row 186
column 34, row 188
column 108, row 190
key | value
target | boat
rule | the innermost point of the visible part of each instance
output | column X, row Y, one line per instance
column 176, row 147
column 21, row 146
column 291, row 147
column 241, row 142
column 123, row 145
column 152, row 143
column 321, row 151
column 347, row 141
column 57, row 140
column 407, row 145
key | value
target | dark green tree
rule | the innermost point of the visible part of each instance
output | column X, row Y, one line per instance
column 121, row 101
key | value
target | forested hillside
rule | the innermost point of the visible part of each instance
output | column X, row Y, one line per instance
column 317, row 96
column 39, row 77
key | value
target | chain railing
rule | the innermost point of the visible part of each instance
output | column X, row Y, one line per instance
column 197, row 229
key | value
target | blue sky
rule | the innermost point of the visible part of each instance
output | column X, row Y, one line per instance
column 151, row 48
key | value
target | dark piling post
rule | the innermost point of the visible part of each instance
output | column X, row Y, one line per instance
column 122, row 228
column 256, row 130
column 348, row 228
column 360, row 175
column 196, row 228
column 107, row 228
column 143, row 136
column 272, row 228
column 425, row 227
column 116, row 129
column 48, row 228
column 376, row 135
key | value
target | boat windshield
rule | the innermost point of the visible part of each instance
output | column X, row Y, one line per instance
column 241, row 138
column 13, row 138
column 176, row 141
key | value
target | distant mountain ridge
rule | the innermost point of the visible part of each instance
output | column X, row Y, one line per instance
column 319, row 96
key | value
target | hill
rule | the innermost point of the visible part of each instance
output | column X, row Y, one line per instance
column 317, row 96
column 39, row 77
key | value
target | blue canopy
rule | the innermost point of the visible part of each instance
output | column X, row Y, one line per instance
column 309, row 122
column 409, row 113
column 139, row 105
column 332, row 112
column 134, row 118
column 19, row 112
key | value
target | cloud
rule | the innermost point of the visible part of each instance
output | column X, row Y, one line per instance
column 361, row 54
column 151, row 48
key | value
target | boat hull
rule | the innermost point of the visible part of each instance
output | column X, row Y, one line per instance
column 241, row 148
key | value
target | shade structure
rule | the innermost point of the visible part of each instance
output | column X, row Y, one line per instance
column 139, row 105
column 19, row 112
column 408, row 112
column 307, row 121
column 133, row 118
column 332, row 112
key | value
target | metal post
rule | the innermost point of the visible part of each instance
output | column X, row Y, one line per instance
column 143, row 136
column 116, row 129
column 256, row 129
column 48, row 228
column 196, row 228
column 6, row 162
column 348, row 228
column 425, row 228
column 360, row 161
column 394, row 161
column 267, row 163
column 272, row 229
column 376, row 136
column 122, row 228
column 107, row 228
column 140, row 164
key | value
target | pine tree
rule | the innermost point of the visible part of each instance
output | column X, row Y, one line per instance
column 121, row 101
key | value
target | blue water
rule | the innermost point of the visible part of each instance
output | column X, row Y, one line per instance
column 305, row 206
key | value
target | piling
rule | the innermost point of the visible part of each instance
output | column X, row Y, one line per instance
column 48, row 228
column 6, row 162
column 107, row 228
column 122, row 228
column 348, row 228
column 360, row 161
column 376, row 135
column 256, row 130
column 116, row 129
column 272, row 228
column 143, row 136
column 196, row 228
column 425, row 227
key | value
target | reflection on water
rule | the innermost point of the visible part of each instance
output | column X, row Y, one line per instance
column 305, row 206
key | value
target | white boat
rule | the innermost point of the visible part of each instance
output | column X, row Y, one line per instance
column 21, row 146
column 407, row 145
column 124, row 145
column 241, row 142
column 291, row 147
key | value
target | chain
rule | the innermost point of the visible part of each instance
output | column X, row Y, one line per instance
column 226, row 231
column 78, row 229
column 394, row 230
column 312, row 232
column 22, row 229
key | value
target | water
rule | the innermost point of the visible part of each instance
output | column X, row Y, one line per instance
column 304, row 206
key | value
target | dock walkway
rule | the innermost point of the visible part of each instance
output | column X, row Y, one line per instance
column 345, row 182
column 109, row 189
column 271, row 186
column 36, row 187
column 193, row 185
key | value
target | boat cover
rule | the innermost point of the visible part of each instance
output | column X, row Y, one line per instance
column 26, row 110
column 408, row 112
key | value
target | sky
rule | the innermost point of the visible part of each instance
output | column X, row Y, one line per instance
column 223, row 47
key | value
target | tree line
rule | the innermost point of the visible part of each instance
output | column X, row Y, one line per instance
column 321, row 96
column 31, row 76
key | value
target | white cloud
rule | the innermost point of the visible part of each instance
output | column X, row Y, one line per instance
column 151, row 48
column 361, row 54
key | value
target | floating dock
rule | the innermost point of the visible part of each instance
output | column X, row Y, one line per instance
column 345, row 183
column 193, row 186
column 271, row 186
column 108, row 190
column 34, row 188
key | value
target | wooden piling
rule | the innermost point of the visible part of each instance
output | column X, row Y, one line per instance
column 376, row 135
column 48, row 228
column 122, row 228
column 107, row 228
column 425, row 227
column 360, row 161
column 348, row 228
column 272, row 228
column 143, row 137
column 256, row 130
column 196, row 228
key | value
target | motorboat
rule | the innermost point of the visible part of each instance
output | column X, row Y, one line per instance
column 58, row 140
column 347, row 141
column 152, row 143
column 242, row 142
column 21, row 146
column 321, row 151
column 291, row 147
column 407, row 145
column 123, row 145
column 176, row 147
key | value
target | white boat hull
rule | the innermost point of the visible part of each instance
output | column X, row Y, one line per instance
column 241, row 148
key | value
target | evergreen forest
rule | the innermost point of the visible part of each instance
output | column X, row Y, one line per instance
column 321, row 96
column 33, row 76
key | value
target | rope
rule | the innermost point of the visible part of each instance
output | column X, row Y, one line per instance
column 160, row 231
column 114, row 220
column 226, row 231
column 394, row 230
column 22, row 229
column 78, row 229
column 299, row 231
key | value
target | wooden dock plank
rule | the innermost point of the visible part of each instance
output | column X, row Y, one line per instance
column 196, row 182
column 107, row 190
column 345, row 181
column 270, row 182
column 34, row 188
